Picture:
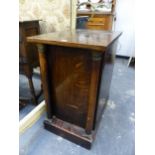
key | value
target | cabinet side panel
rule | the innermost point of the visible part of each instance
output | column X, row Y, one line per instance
column 70, row 71
column 105, row 81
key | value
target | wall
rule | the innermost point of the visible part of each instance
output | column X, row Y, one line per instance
column 55, row 14
column 125, row 23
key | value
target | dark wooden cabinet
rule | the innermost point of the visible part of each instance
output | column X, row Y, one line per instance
column 76, row 69
column 28, row 55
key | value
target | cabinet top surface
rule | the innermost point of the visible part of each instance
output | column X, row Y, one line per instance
column 89, row 39
column 28, row 21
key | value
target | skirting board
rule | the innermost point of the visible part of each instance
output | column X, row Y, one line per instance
column 70, row 132
column 122, row 56
column 32, row 117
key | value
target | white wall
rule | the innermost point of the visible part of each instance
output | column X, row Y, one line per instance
column 125, row 23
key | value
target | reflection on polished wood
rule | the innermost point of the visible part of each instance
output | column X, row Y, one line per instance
column 73, row 67
column 88, row 39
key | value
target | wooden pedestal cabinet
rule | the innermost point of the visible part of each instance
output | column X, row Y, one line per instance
column 76, row 69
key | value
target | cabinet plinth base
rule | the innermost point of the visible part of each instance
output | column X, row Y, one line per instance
column 69, row 131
